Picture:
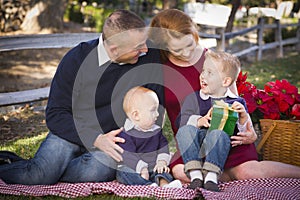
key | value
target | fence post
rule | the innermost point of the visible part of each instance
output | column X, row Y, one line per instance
column 260, row 33
column 298, row 36
column 221, row 41
column 278, row 38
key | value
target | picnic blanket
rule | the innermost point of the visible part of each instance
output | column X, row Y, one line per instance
column 271, row 188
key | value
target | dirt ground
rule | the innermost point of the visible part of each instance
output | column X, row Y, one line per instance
column 23, row 70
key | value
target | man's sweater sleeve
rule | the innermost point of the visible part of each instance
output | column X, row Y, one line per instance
column 59, row 113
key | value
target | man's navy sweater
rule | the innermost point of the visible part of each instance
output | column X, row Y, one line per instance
column 85, row 99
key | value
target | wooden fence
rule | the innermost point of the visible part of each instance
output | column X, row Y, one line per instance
column 260, row 46
column 11, row 43
column 45, row 41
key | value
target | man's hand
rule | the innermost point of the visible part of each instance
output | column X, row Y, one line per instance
column 107, row 143
column 161, row 166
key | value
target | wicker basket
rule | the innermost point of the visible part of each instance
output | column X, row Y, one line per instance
column 280, row 141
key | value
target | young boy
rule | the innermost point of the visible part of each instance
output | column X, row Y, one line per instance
column 146, row 153
column 204, row 152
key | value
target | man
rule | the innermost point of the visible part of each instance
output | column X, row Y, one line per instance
column 84, row 110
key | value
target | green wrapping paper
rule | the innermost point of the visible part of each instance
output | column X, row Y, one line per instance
column 223, row 118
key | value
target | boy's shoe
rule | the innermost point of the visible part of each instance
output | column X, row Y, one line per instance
column 153, row 185
column 7, row 157
column 209, row 185
column 174, row 184
column 196, row 183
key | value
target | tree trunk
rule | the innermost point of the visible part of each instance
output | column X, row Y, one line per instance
column 167, row 4
column 45, row 15
column 235, row 6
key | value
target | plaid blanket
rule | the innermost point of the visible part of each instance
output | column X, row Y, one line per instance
column 269, row 188
column 272, row 188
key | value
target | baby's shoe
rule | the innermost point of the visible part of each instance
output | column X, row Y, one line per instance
column 174, row 184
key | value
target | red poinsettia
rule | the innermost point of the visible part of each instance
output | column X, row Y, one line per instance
column 247, row 91
column 296, row 111
column 278, row 100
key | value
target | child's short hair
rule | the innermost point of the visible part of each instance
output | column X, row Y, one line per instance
column 230, row 64
column 132, row 94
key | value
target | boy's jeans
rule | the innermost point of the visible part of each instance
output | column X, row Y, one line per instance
column 128, row 176
column 59, row 160
column 203, row 150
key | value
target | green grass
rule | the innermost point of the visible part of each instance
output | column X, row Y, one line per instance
column 264, row 71
column 258, row 73
column 25, row 147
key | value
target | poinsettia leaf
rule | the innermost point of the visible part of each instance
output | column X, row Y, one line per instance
column 288, row 87
column 297, row 98
column 296, row 111
column 283, row 106
column 273, row 116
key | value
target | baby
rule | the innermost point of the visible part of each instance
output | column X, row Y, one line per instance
column 146, row 153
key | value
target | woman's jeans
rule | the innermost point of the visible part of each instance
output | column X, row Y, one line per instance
column 202, row 149
column 59, row 160
column 129, row 176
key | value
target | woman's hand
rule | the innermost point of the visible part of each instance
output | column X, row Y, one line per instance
column 247, row 137
column 107, row 143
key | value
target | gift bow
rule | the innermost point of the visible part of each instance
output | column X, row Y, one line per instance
column 226, row 107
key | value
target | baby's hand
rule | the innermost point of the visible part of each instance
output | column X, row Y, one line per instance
column 161, row 166
column 204, row 121
column 145, row 173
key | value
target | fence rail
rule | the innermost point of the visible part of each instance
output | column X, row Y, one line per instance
column 45, row 41
column 260, row 31
column 12, row 43
column 27, row 96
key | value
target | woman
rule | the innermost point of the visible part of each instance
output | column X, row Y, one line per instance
column 176, row 35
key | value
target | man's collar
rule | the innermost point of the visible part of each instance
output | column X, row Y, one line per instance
column 102, row 54
column 130, row 125
column 227, row 94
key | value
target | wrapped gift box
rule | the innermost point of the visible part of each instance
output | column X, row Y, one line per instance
column 223, row 118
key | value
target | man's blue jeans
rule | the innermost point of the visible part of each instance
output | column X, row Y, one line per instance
column 202, row 149
column 59, row 160
column 128, row 176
